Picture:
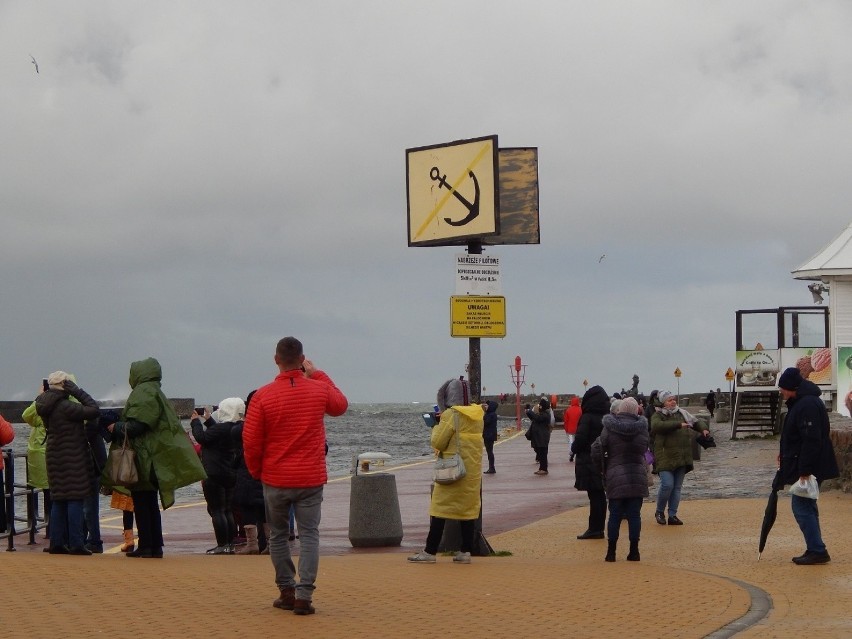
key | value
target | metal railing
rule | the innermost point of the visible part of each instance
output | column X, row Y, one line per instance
column 15, row 493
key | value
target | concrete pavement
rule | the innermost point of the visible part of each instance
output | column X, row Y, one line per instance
column 697, row 580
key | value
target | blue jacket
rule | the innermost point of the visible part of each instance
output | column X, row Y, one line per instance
column 489, row 428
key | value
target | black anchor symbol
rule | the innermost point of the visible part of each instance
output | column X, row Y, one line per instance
column 473, row 209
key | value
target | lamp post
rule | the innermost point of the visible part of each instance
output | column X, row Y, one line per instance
column 677, row 375
column 517, row 373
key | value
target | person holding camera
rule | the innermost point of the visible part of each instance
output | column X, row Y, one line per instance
column 539, row 432
column 284, row 447
column 65, row 408
column 218, row 456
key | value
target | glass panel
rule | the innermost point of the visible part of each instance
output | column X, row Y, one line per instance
column 759, row 328
column 803, row 329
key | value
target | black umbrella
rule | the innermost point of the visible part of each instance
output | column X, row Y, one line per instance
column 770, row 513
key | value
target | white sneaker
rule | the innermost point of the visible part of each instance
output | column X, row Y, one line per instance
column 462, row 558
column 423, row 557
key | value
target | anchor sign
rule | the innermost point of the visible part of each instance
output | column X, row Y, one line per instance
column 473, row 209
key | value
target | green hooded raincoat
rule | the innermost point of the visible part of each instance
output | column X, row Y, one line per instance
column 164, row 449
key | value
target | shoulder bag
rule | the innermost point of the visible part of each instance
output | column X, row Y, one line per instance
column 121, row 465
column 450, row 469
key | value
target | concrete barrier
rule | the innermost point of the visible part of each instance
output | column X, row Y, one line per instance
column 374, row 517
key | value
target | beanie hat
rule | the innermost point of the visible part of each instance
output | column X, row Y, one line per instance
column 628, row 405
column 56, row 380
column 790, row 379
column 663, row 395
column 544, row 403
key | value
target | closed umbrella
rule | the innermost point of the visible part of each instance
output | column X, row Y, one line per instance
column 770, row 513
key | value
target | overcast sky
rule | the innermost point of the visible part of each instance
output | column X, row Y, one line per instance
column 194, row 180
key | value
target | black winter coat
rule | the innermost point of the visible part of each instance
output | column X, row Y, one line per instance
column 489, row 422
column 69, row 460
column 595, row 404
column 248, row 493
column 217, row 450
column 539, row 431
column 806, row 448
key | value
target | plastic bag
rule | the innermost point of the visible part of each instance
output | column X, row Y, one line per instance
column 806, row 488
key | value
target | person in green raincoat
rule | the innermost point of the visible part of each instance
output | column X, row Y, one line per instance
column 460, row 500
column 36, row 462
column 165, row 457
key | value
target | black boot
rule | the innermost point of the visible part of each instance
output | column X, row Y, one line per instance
column 633, row 555
column 610, row 550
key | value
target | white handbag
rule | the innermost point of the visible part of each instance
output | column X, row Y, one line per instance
column 449, row 470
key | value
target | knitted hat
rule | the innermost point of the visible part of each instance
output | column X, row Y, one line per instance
column 663, row 395
column 56, row 380
column 614, row 405
column 544, row 403
column 790, row 379
column 628, row 405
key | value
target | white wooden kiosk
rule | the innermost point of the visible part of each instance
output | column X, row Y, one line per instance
column 831, row 272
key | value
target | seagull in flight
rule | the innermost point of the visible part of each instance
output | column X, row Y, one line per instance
column 600, row 259
column 34, row 62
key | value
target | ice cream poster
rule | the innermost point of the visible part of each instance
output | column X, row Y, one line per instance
column 814, row 363
column 757, row 369
column 844, row 378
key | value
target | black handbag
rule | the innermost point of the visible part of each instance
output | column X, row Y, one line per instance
column 706, row 442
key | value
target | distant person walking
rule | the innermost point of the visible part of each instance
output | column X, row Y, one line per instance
column 570, row 421
column 670, row 426
column 595, row 404
column 284, row 447
column 806, row 450
column 489, row 433
column 460, row 501
column 710, row 402
column 165, row 457
column 620, row 449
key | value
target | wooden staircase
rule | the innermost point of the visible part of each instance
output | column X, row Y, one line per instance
column 755, row 413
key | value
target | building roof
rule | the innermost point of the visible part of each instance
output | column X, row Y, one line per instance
column 835, row 259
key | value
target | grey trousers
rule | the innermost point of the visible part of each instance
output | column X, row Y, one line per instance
column 307, row 503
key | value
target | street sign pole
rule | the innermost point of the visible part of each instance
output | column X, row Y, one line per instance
column 474, row 347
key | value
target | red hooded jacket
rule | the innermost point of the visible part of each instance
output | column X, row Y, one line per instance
column 572, row 416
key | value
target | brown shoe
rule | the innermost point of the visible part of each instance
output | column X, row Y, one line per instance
column 287, row 599
column 303, row 607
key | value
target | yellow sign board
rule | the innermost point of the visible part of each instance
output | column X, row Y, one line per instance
column 452, row 192
column 729, row 374
column 677, row 372
column 477, row 316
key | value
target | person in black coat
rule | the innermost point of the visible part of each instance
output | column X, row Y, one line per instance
column 489, row 432
column 710, row 402
column 595, row 404
column 539, row 433
column 218, row 458
column 69, row 460
column 806, row 450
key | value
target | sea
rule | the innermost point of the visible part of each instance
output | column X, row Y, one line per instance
column 396, row 429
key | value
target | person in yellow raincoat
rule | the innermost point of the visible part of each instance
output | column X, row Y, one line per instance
column 460, row 500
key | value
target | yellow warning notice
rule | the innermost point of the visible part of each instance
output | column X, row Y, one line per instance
column 477, row 316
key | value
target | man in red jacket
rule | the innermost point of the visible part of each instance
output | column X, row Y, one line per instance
column 284, row 447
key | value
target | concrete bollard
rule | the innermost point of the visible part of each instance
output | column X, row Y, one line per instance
column 374, row 517
column 723, row 414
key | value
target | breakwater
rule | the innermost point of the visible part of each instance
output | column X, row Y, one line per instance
column 11, row 411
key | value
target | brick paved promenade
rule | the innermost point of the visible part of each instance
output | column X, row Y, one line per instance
column 698, row 580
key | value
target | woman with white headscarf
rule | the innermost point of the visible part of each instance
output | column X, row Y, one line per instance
column 670, row 426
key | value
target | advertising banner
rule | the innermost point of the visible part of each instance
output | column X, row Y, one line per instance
column 814, row 363
column 757, row 370
column 844, row 378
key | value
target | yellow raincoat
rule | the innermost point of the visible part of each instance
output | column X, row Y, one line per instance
column 459, row 500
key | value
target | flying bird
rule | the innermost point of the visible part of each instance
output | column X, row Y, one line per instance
column 600, row 259
column 34, row 62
